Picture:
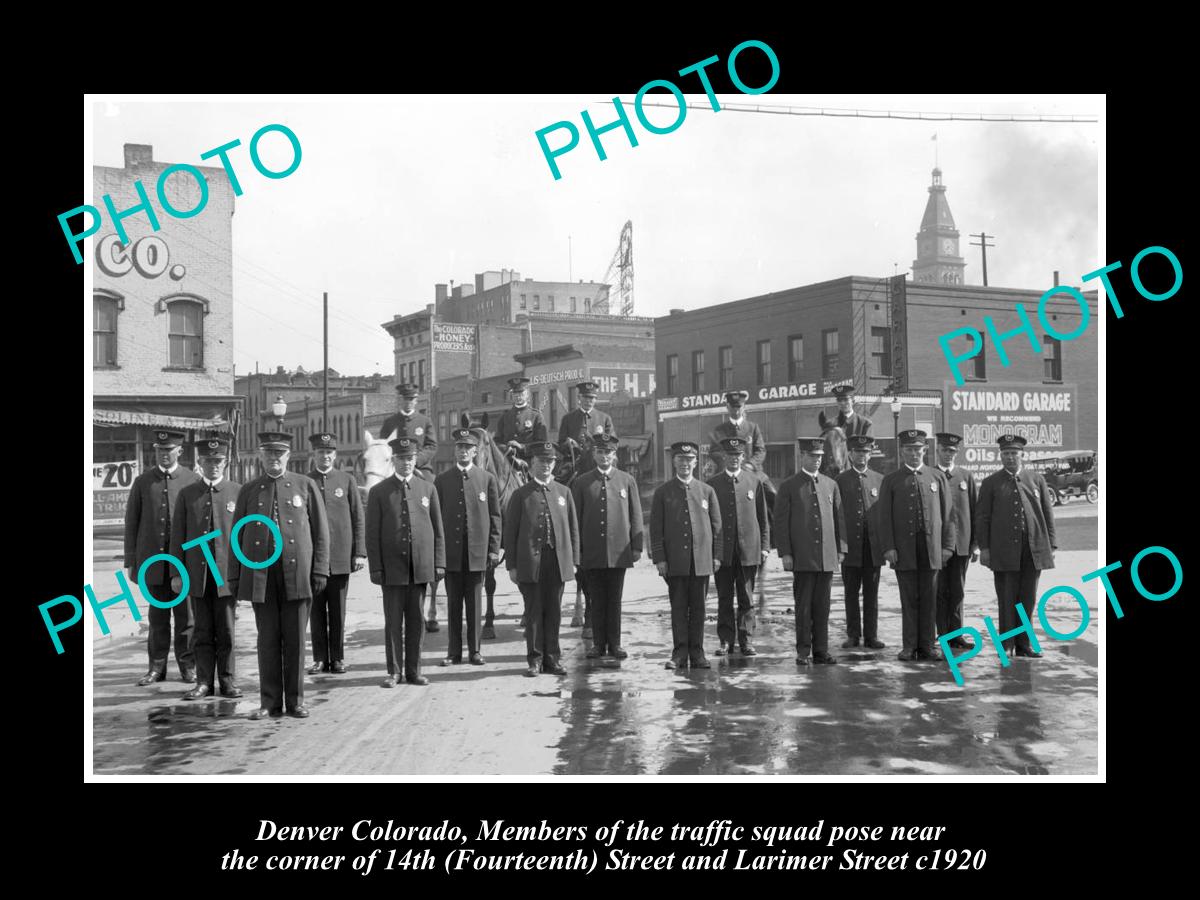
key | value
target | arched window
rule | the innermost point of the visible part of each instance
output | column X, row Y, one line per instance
column 185, row 330
column 105, row 306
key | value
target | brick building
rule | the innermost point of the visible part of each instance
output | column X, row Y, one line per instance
column 162, row 305
column 501, row 297
column 790, row 349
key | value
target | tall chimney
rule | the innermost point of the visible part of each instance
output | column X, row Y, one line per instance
column 1056, row 277
column 439, row 293
column 138, row 155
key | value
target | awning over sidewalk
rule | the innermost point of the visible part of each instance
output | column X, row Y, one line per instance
column 114, row 418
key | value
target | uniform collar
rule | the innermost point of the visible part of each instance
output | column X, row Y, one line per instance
column 949, row 470
column 733, row 473
column 685, row 483
column 408, row 414
column 738, row 421
column 812, row 475
column 917, row 470
column 607, row 473
column 862, row 471
column 1016, row 473
column 542, row 483
column 323, row 471
column 522, row 406
column 404, row 481
column 170, row 473
column 277, row 477
column 212, row 484
column 466, row 468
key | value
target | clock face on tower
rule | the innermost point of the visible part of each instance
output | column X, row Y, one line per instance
column 948, row 247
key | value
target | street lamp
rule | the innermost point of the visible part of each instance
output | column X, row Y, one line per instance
column 279, row 410
column 897, row 405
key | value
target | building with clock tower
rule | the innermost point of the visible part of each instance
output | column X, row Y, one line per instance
column 937, row 259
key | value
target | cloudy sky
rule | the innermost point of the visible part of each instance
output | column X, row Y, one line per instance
column 395, row 195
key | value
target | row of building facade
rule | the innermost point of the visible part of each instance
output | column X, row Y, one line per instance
column 163, row 353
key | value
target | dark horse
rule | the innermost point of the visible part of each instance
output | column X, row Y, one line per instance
column 836, row 458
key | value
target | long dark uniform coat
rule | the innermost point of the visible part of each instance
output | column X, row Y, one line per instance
column 474, row 500
column 424, row 550
column 419, row 427
column 747, row 431
column 304, row 527
column 579, row 425
column 679, row 513
column 811, row 539
column 523, row 537
column 197, row 512
column 612, row 532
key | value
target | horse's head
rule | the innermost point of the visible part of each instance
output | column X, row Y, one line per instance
column 836, row 456
column 377, row 459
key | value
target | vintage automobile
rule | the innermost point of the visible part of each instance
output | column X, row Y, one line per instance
column 1074, row 474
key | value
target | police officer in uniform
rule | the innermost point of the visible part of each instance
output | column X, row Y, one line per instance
column 686, row 547
column 148, row 514
column 917, row 536
column 414, row 425
column 519, row 425
column 206, row 507
column 579, row 427
column 952, row 579
column 736, row 425
column 406, row 550
column 811, row 543
column 470, row 500
column 281, row 592
column 851, row 423
column 541, row 544
column 859, row 487
column 746, row 541
column 347, row 553
column 1014, row 526
column 610, row 537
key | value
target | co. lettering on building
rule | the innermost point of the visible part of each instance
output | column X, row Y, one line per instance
column 98, row 606
column 1026, row 326
column 118, row 217
column 622, row 120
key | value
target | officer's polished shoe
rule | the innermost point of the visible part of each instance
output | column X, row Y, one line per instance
column 151, row 678
column 231, row 690
column 594, row 653
column 555, row 669
column 674, row 663
column 264, row 713
column 960, row 643
column 451, row 661
column 874, row 643
column 300, row 712
column 620, row 653
column 932, row 654
column 532, row 672
column 432, row 625
column 906, row 655
column 338, row 668
column 748, row 650
column 701, row 663
column 317, row 668
column 389, row 682
column 419, row 681
column 804, row 660
column 1028, row 652
column 827, row 659
column 850, row 642
column 199, row 692
column 722, row 650
column 476, row 659
column 188, row 676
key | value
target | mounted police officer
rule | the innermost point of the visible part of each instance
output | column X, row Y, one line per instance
column 281, row 592
column 610, row 537
column 206, row 507
column 470, row 499
column 578, row 429
column 686, row 547
column 1014, row 525
column 413, row 425
column 736, row 425
column 520, row 424
column 851, row 423
column 746, row 541
column 347, row 553
column 152, row 501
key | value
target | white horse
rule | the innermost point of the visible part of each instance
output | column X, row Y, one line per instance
column 377, row 466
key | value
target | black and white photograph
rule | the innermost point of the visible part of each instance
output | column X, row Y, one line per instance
column 696, row 432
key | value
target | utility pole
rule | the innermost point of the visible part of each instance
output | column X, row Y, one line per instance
column 325, row 377
column 983, row 245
